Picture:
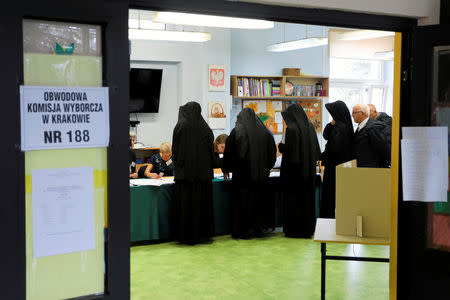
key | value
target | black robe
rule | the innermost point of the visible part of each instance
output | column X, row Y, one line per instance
column 192, row 151
column 298, row 169
column 387, row 131
column 370, row 146
column 250, row 153
column 337, row 150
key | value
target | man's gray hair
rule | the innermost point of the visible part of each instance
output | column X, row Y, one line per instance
column 365, row 108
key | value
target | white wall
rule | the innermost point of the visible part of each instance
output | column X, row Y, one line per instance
column 427, row 9
column 250, row 57
column 249, row 54
column 156, row 128
column 191, row 61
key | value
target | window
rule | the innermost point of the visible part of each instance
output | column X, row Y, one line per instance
column 361, row 81
column 356, row 69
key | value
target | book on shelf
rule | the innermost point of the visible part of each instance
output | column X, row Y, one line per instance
column 240, row 91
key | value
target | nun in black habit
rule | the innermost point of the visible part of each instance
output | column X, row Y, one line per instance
column 250, row 153
column 192, row 152
column 339, row 134
column 298, row 170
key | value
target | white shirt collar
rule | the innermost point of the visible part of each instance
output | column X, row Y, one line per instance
column 363, row 123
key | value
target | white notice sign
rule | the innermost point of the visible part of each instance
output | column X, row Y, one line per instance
column 425, row 164
column 63, row 210
column 64, row 117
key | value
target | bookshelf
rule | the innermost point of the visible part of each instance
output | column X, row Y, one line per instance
column 279, row 87
column 269, row 95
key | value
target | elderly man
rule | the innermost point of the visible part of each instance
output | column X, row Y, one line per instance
column 369, row 144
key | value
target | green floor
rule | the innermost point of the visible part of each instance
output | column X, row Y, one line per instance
column 273, row 267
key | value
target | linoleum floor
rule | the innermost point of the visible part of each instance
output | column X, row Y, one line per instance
column 272, row 267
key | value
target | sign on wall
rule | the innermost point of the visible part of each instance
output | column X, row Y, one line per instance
column 64, row 117
column 216, row 78
column 217, row 118
column 63, row 210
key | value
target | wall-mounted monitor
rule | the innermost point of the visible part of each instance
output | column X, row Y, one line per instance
column 145, row 89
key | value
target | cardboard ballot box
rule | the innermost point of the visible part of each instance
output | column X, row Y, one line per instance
column 363, row 197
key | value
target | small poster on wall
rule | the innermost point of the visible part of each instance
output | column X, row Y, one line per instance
column 216, row 78
column 217, row 118
column 63, row 210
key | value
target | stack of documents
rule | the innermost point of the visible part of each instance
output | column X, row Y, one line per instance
column 149, row 181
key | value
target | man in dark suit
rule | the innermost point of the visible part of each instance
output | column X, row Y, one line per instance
column 387, row 122
column 369, row 143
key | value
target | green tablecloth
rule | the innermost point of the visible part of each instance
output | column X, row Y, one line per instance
column 151, row 208
column 150, row 212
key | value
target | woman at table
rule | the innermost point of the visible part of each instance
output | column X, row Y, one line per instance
column 219, row 148
column 132, row 158
column 301, row 151
column 249, row 154
column 160, row 164
column 338, row 133
column 193, row 216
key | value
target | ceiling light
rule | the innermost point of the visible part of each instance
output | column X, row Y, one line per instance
column 297, row 44
column 210, row 21
column 145, row 24
column 166, row 35
column 384, row 55
column 363, row 35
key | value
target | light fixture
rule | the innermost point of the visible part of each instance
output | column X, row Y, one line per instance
column 167, row 35
column 363, row 34
column 142, row 19
column 210, row 21
column 297, row 44
column 144, row 29
column 385, row 55
column 145, row 24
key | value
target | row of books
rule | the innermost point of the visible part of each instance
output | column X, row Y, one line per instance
column 308, row 90
column 252, row 87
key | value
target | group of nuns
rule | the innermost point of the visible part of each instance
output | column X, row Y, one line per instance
column 250, row 154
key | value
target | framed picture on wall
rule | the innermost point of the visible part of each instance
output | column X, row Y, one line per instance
column 216, row 78
column 217, row 118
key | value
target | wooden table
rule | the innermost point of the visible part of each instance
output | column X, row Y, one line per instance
column 326, row 233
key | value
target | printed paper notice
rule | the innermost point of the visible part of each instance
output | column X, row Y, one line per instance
column 277, row 105
column 259, row 106
column 424, row 161
column 278, row 117
column 63, row 210
column 425, row 132
column 55, row 117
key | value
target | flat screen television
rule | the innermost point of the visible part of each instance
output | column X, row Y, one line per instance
column 145, row 89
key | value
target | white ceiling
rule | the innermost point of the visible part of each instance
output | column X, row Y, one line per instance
column 403, row 8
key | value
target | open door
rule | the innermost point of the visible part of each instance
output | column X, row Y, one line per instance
column 424, row 229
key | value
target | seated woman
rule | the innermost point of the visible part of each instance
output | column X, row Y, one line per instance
column 160, row 164
column 219, row 148
column 132, row 158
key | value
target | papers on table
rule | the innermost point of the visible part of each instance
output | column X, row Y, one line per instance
column 220, row 175
column 149, row 181
column 170, row 180
column 274, row 174
column 425, row 164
